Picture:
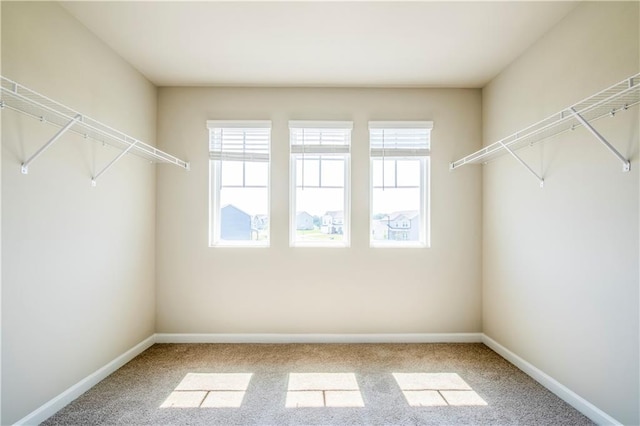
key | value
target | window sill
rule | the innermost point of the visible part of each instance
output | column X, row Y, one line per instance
column 244, row 244
column 319, row 245
column 389, row 244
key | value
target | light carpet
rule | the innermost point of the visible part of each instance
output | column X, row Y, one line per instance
column 351, row 384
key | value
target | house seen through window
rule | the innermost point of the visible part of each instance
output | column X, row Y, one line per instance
column 239, row 177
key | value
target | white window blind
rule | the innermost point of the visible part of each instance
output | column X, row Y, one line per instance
column 320, row 137
column 400, row 138
column 239, row 141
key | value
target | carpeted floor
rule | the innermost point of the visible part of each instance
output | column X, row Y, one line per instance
column 439, row 384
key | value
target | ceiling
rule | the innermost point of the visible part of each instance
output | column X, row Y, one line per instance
column 353, row 44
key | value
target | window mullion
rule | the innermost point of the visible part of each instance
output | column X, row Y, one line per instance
column 217, row 224
column 303, row 159
column 383, row 154
column 220, row 162
column 423, row 183
column 244, row 158
column 395, row 173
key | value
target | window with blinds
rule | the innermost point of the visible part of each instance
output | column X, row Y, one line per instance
column 399, row 154
column 239, row 160
column 320, row 171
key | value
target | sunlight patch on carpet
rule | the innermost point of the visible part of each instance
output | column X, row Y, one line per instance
column 323, row 390
column 209, row 390
column 437, row 389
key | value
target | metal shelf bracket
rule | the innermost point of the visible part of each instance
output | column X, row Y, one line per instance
column 521, row 161
column 626, row 164
column 108, row 166
column 43, row 148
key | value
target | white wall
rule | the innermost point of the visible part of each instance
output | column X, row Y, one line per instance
column 77, row 262
column 318, row 290
column 560, row 285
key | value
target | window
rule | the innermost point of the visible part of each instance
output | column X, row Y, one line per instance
column 239, row 176
column 320, row 183
column 399, row 183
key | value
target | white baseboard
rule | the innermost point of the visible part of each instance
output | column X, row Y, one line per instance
column 575, row 400
column 54, row 405
column 50, row 408
column 320, row 338
column 563, row 392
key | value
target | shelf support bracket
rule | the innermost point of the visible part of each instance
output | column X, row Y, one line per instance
column 108, row 166
column 626, row 164
column 43, row 148
column 521, row 161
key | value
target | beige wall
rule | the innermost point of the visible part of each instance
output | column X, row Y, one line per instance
column 318, row 290
column 0, row 230
column 560, row 265
column 77, row 262
column 560, row 285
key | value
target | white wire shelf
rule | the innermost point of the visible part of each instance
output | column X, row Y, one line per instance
column 19, row 98
column 608, row 102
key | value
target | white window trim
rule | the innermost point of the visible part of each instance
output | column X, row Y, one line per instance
column 344, row 152
column 214, row 206
column 424, row 240
column 425, row 173
column 214, row 187
column 401, row 125
column 310, row 124
column 239, row 124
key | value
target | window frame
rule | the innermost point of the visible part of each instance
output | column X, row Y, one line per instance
column 215, row 184
column 293, row 184
column 424, row 240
